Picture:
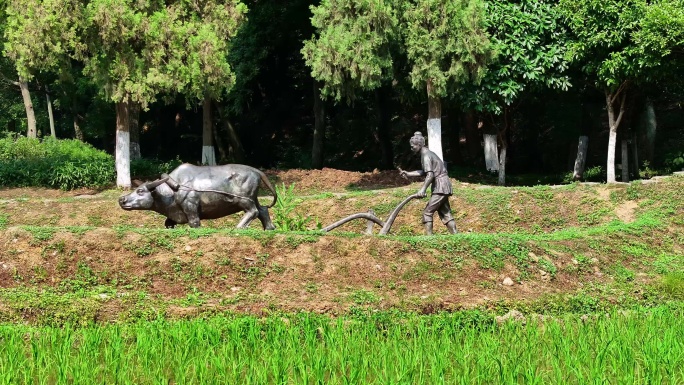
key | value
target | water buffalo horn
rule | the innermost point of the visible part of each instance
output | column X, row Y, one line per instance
column 169, row 181
column 153, row 185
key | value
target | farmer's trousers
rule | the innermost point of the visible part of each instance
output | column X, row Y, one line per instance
column 440, row 204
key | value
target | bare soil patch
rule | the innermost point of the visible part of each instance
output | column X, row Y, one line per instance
column 331, row 180
column 626, row 210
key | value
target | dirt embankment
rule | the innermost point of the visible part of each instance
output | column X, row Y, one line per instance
column 290, row 272
column 71, row 240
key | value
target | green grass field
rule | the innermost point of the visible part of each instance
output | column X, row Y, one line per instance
column 90, row 294
column 636, row 347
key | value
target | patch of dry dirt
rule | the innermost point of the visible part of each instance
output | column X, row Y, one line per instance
column 332, row 180
column 625, row 211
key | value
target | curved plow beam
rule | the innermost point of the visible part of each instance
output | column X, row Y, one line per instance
column 388, row 225
column 368, row 216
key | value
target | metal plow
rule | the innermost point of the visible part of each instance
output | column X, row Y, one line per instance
column 372, row 219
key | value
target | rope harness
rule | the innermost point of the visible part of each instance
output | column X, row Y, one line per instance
column 175, row 186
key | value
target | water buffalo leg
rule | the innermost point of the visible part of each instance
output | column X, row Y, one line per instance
column 193, row 220
column 169, row 223
column 191, row 209
column 250, row 213
column 265, row 218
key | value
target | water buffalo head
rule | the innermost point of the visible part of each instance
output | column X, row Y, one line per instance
column 141, row 198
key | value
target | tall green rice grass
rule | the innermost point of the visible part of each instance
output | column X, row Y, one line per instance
column 631, row 348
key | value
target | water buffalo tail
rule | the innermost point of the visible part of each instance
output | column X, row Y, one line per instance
column 268, row 184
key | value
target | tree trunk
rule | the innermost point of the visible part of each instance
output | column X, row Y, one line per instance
column 123, row 141
column 208, row 154
column 50, row 115
column 237, row 151
column 223, row 154
column 502, row 165
column 491, row 152
column 472, row 136
column 503, row 140
column 491, row 146
column 613, row 124
column 625, row 160
column 434, row 123
column 319, row 128
column 134, row 127
column 650, row 128
column 635, row 155
column 78, row 133
column 383, row 135
column 581, row 159
column 32, row 132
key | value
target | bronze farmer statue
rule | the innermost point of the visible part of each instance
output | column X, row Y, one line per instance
column 435, row 174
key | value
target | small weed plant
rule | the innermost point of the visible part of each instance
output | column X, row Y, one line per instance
column 672, row 284
column 284, row 215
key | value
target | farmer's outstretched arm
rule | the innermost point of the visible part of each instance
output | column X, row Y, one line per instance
column 429, row 178
column 406, row 174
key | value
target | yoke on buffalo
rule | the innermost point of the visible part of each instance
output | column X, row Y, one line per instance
column 191, row 193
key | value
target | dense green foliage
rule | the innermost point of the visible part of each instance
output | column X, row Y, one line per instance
column 530, row 42
column 467, row 348
column 619, row 50
column 131, row 50
column 543, row 63
column 352, row 50
column 446, row 43
column 63, row 164
column 284, row 215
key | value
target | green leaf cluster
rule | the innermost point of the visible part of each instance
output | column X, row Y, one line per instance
column 360, row 44
column 352, row 50
column 63, row 164
column 284, row 216
column 624, row 40
column 39, row 35
column 133, row 50
column 445, row 41
column 531, row 45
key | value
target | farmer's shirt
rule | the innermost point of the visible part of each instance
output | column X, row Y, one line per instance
column 432, row 163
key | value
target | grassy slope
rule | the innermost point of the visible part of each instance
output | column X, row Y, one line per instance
column 577, row 248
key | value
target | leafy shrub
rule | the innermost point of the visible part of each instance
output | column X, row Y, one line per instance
column 65, row 164
column 595, row 174
column 20, row 148
column 152, row 168
column 675, row 160
column 646, row 171
column 591, row 174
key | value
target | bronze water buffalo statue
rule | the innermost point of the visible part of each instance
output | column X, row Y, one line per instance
column 190, row 193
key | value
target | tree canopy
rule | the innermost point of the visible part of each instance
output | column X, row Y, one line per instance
column 530, row 61
column 353, row 48
column 446, row 43
column 620, row 44
column 530, row 42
